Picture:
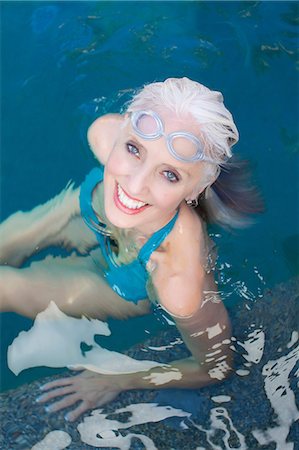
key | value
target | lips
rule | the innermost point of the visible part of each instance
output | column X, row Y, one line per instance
column 126, row 203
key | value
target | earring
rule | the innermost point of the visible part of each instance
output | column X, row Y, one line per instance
column 192, row 203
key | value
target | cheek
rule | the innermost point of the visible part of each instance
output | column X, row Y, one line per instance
column 167, row 198
column 115, row 165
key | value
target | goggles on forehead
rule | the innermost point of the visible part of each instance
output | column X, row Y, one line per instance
column 149, row 126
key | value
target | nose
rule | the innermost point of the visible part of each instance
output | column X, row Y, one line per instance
column 138, row 182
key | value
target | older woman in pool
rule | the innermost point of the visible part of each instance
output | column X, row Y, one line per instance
column 138, row 237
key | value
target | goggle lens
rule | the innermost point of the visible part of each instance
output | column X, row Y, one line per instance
column 147, row 125
column 182, row 145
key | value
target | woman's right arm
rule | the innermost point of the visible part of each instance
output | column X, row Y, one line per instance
column 101, row 135
column 56, row 222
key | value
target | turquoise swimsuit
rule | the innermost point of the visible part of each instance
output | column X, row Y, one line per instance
column 127, row 280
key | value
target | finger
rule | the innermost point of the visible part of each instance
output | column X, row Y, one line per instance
column 64, row 403
column 87, row 405
column 56, row 383
column 56, row 393
column 73, row 415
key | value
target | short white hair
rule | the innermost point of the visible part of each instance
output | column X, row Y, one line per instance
column 186, row 97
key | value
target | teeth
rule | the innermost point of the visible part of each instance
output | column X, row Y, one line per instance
column 128, row 202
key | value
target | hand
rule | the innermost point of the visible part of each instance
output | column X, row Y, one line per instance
column 92, row 389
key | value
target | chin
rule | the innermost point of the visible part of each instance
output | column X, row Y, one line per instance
column 119, row 219
column 121, row 213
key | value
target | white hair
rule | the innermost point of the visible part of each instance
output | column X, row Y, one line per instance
column 185, row 97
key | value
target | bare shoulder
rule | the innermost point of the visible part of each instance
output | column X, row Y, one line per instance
column 101, row 135
column 180, row 277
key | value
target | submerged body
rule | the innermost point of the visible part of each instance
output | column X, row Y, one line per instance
column 136, row 240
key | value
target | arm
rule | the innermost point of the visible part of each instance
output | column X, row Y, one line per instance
column 101, row 135
column 206, row 334
column 58, row 221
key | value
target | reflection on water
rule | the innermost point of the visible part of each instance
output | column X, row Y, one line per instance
column 55, row 440
column 56, row 340
column 277, row 374
column 255, row 408
column 99, row 430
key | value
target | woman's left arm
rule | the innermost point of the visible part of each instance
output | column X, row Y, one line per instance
column 206, row 334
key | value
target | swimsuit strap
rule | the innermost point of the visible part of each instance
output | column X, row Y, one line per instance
column 94, row 177
column 156, row 240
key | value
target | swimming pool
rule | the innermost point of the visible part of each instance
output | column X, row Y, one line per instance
column 64, row 63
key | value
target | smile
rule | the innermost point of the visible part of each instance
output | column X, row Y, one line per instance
column 126, row 203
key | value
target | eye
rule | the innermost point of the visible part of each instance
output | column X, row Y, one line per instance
column 133, row 150
column 171, row 176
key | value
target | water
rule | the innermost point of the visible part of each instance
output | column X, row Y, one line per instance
column 64, row 63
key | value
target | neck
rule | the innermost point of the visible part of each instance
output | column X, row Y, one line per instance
column 150, row 228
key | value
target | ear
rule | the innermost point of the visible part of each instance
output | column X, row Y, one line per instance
column 102, row 134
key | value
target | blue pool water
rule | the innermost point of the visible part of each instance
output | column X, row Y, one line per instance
column 65, row 63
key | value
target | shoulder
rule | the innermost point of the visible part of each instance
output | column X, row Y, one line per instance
column 102, row 133
column 188, row 240
column 180, row 277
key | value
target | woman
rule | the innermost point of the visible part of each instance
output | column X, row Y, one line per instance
column 139, row 238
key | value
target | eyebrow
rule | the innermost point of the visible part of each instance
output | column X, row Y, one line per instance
column 179, row 169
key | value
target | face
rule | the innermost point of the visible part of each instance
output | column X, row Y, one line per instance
column 143, row 183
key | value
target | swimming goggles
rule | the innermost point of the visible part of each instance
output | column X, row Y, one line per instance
column 149, row 126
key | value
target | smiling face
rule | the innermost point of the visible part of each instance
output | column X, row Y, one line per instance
column 143, row 183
